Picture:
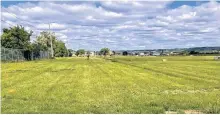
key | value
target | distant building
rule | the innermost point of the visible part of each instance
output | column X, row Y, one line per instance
column 73, row 53
column 217, row 57
column 165, row 53
column 111, row 53
column 155, row 53
column 118, row 52
column 141, row 53
column 147, row 53
column 91, row 53
column 175, row 53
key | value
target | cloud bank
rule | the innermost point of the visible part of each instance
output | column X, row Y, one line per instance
column 120, row 25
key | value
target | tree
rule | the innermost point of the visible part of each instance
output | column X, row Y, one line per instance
column 125, row 53
column 36, row 48
column 16, row 37
column 88, row 54
column 162, row 52
column 60, row 49
column 45, row 40
column 193, row 52
column 113, row 52
column 104, row 51
column 80, row 52
column 185, row 53
column 70, row 52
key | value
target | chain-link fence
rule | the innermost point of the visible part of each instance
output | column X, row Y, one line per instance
column 8, row 54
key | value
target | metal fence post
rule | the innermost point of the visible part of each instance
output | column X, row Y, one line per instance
column 32, row 55
column 22, row 54
column 48, row 55
column 18, row 55
column 4, row 54
column 12, row 55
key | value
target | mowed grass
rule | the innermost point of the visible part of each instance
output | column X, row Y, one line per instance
column 113, row 85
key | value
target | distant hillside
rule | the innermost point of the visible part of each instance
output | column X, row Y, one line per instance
column 197, row 49
column 203, row 49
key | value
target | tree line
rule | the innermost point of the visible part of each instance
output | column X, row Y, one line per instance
column 18, row 38
column 103, row 51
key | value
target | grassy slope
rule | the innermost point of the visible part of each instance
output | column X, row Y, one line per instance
column 126, row 85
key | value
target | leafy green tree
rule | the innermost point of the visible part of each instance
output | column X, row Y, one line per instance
column 70, row 52
column 80, row 52
column 88, row 55
column 113, row 52
column 16, row 37
column 44, row 39
column 193, row 52
column 185, row 53
column 124, row 53
column 60, row 50
column 36, row 48
column 105, row 51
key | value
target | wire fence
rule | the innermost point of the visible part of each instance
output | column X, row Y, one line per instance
column 9, row 54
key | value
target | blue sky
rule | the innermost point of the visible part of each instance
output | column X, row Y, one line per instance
column 122, row 25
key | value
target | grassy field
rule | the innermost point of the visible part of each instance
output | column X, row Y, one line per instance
column 117, row 85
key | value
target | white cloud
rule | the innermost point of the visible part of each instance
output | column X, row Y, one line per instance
column 112, row 14
column 188, row 15
column 52, row 26
column 8, row 16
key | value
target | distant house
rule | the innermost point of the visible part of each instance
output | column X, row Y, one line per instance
column 73, row 53
column 217, row 57
column 118, row 52
column 91, row 53
column 131, row 53
column 111, row 53
column 141, row 54
column 155, row 53
column 146, row 53
column 165, row 53
column 175, row 53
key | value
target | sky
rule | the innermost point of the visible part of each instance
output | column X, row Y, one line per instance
column 119, row 25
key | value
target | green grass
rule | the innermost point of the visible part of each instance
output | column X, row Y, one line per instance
column 118, row 85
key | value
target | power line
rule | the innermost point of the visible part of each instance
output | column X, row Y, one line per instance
column 27, row 22
column 31, row 26
column 7, row 22
column 19, row 18
column 51, row 42
column 22, row 20
column 14, row 25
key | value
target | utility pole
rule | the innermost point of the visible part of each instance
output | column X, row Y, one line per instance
column 67, row 50
column 51, row 43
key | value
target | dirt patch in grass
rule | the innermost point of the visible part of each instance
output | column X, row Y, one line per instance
column 62, row 70
column 170, row 112
column 193, row 112
column 18, row 70
column 185, row 112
